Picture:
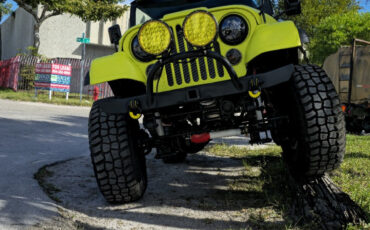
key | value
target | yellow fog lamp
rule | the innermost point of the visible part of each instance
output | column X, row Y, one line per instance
column 200, row 28
column 155, row 37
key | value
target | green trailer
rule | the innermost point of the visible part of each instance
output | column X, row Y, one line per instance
column 349, row 70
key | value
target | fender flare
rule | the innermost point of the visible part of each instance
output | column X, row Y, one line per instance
column 271, row 37
column 114, row 67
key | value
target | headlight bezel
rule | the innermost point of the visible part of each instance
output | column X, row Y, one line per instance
column 216, row 28
column 168, row 28
column 240, row 39
column 144, row 57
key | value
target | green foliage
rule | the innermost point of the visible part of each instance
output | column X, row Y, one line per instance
column 27, row 72
column 329, row 24
column 4, row 8
column 33, row 51
column 87, row 10
column 98, row 10
column 336, row 31
column 314, row 11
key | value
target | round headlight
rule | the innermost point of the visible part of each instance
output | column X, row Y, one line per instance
column 139, row 53
column 200, row 28
column 155, row 37
column 233, row 30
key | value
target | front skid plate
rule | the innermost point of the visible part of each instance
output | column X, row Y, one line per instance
column 196, row 93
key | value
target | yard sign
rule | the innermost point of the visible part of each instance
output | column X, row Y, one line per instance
column 53, row 77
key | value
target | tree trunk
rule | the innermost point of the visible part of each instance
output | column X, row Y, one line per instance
column 36, row 38
column 322, row 202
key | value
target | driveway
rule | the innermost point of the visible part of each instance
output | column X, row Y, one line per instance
column 193, row 195
column 33, row 135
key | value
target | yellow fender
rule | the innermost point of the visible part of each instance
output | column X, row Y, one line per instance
column 271, row 37
column 114, row 67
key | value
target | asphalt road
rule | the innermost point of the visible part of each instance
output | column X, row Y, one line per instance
column 33, row 135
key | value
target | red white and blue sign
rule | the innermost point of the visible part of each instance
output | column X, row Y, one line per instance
column 50, row 68
column 53, row 77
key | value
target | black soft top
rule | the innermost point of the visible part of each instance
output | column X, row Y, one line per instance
column 156, row 9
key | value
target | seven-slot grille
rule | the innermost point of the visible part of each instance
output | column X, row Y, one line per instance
column 191, row 69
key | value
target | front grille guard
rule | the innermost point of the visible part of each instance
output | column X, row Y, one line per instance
column 158, row 66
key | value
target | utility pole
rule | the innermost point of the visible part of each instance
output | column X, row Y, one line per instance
column 84, row 41
column 82, row 66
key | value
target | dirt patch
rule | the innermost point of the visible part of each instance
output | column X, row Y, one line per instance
column 227, row 186
column 206, row 192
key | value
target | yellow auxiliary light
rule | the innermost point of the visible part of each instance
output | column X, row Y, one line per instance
column 200, row 28
column 155, row 37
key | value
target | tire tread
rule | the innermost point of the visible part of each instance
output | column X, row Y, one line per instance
column 323, row 121
column 118, row 179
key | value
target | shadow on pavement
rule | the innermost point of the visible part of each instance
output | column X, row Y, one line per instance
column 25, row 146
column 206, row 192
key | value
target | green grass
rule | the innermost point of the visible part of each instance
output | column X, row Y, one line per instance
column 48, row 188
column 225, row 150
column 265, row 176
column 264, row 182
column 354, row 175
column 43, row 96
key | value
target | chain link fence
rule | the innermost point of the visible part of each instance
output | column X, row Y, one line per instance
column 23, row 68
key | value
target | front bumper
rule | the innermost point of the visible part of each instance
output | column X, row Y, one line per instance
column 148, row 102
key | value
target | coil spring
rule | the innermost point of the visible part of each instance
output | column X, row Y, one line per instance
column 211, row 111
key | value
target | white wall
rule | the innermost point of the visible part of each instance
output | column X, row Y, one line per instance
column 17, row 33
column 98, row 31
column 94, row 51
column 58, row 35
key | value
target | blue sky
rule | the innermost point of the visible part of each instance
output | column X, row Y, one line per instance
column 365, row 4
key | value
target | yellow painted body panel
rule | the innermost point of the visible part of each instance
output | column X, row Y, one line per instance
column 117, row 66
column 262, row 37
column 273, row 36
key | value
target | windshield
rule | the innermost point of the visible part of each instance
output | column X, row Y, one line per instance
column 156, row 9
column 141, row 16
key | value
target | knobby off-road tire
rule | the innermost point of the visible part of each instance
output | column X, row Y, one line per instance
column 316, row 130
column 366, row 124
column 119, row 164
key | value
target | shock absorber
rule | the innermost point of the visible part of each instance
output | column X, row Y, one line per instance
column 158, row 121
column 264, row 133
column 260, row 134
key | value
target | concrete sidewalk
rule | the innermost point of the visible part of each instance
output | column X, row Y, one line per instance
column 33, row 135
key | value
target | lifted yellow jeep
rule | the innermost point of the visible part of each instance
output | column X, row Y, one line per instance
column 196, row 70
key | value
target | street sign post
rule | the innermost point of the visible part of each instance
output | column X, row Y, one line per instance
column 84, row 41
